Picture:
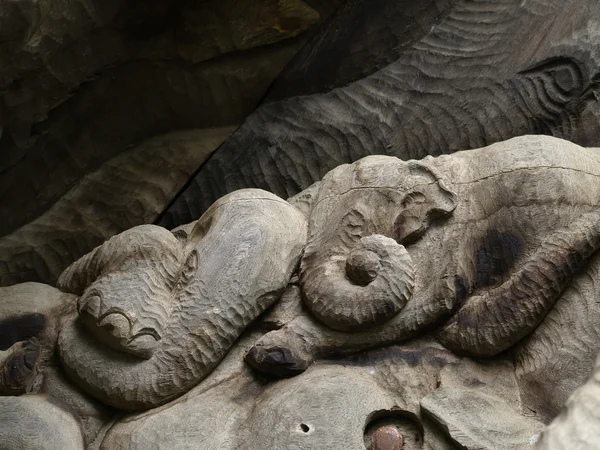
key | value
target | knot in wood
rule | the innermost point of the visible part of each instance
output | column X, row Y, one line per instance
column 387, row 437
column 362, row 266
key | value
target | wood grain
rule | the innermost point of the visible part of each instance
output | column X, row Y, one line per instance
column 483, row 72
column 83, row 82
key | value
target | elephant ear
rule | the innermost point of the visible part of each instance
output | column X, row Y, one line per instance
column 428, row 198
column 132, row 248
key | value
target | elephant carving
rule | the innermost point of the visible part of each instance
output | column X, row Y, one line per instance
column 485, row 242
column 473, row 247
column 355, row 272
column 158, row 313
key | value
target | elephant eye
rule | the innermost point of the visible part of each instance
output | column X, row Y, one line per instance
column 354, row 226
column 190, row 266
column 414, row 198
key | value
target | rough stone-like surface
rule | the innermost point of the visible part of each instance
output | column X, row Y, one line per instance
column 326, row 408
column 477, row 406
column 106, row 63
column 212, row 412
column 496, row 235
column 128, row 190
column 38, row 422
column 549, row 361
column 464, row 74
column 156, row 315
column 455, row 275
column 84, row 81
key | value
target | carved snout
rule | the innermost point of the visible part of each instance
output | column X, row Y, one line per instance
column 366, row 287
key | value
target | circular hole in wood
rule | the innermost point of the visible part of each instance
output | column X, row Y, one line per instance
column 393, row 430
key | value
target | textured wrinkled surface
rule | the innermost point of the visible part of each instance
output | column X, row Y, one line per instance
column 129, row 190
column 94, row 96
column 329, row 407
column 499, row 245
column 179, row 305
column 523, row 226
column 410, row 79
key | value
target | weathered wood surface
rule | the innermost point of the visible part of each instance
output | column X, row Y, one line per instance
column 491, row 252
column 128, row 190
column 498, row 238
column 335, row 405
column 157, row 315
column 82, row 82
column 469, row 73
column 38, row 422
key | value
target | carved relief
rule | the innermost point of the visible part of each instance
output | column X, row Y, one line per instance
column 176, row 306
column 472, row 249
column 495, row 239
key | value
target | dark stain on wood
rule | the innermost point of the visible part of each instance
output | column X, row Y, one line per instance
column 495, row 257
column 15, row 329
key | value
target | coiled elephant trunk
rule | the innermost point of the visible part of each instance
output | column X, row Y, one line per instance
column 364, row 287
column 240, row 257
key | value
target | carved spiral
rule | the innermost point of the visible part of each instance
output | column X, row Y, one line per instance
column 367, row 287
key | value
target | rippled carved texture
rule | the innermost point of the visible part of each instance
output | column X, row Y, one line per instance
column 197, row 296
column 126, row 191
column 370, row 287
column 477, row 73
column 83, row 82
column 332, row 406
column 75, row 94
column 556, row 358
column 355, row 273
column 525, row 224
column 519, row 304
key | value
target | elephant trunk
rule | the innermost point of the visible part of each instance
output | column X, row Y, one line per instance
column 364, row 287
column 493, row 322
column 244, row 251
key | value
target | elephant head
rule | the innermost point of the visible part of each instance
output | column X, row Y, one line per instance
column 177, row 305
column 526, row 224
column 355, row 272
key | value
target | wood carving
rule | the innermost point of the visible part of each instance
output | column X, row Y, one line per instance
column 409, row 79
column 475, row 250
column 88, row 87
column 494, row 239
column 177, row 305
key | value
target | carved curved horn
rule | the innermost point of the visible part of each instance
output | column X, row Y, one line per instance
column 491, row 323
column 248, row 245
column 367, row 287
